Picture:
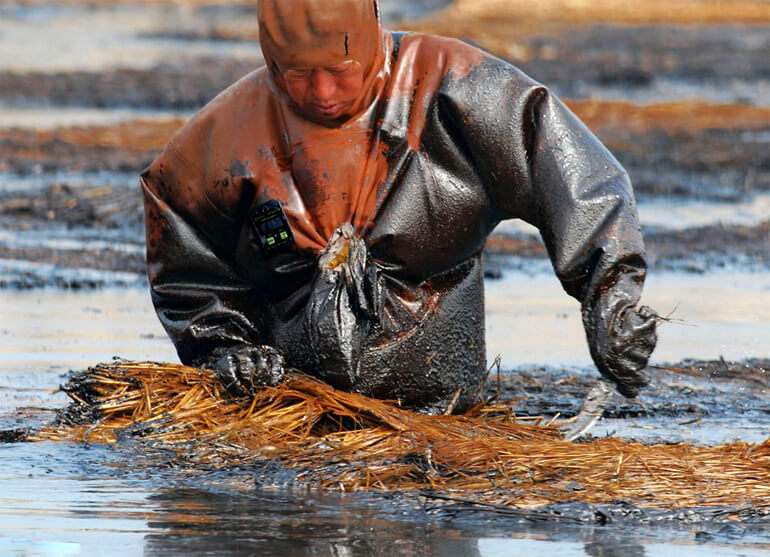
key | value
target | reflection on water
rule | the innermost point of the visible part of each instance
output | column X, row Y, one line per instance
column 291, row 524
column 63, row 499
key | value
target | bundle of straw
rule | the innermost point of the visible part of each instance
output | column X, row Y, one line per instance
column 345, row 441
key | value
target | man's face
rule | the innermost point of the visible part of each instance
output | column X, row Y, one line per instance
column 328, row 92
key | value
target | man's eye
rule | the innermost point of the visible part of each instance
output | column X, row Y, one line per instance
column 296, row 74
column 345, row 67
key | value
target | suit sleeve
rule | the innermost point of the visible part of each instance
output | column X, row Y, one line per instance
column 539, row 163
column 201, row 300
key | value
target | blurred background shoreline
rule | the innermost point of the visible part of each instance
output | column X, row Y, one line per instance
column 679, row 92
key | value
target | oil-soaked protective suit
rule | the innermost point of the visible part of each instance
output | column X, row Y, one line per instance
column 445, row 142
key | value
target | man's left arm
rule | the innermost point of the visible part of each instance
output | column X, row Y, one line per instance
column 541, row 164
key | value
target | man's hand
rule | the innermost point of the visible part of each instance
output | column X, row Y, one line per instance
column 243, row 369
column 622, row 348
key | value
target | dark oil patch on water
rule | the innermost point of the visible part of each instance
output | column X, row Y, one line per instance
column 16, row 435
column 635, row 55
column 677, row 406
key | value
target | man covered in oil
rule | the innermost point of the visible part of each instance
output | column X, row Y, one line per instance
column 327, row 212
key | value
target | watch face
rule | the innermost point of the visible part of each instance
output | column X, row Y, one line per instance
column 272, row 227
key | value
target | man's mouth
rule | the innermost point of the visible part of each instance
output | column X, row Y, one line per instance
column 331, row 110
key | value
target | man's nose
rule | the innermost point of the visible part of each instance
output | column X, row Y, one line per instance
column 323, row 85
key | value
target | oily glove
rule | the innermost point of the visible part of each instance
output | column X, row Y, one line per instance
column 622, row 345
column 243, row 369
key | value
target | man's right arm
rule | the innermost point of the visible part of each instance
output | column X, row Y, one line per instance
column 209, row 311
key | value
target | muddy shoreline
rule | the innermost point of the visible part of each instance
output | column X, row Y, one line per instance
column 711, row 163
column 713, row 150
column 685, row 108
column 77, row 214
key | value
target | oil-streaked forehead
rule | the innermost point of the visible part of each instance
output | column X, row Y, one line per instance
column 313, row 33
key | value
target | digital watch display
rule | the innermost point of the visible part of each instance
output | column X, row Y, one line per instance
column 272, row 227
